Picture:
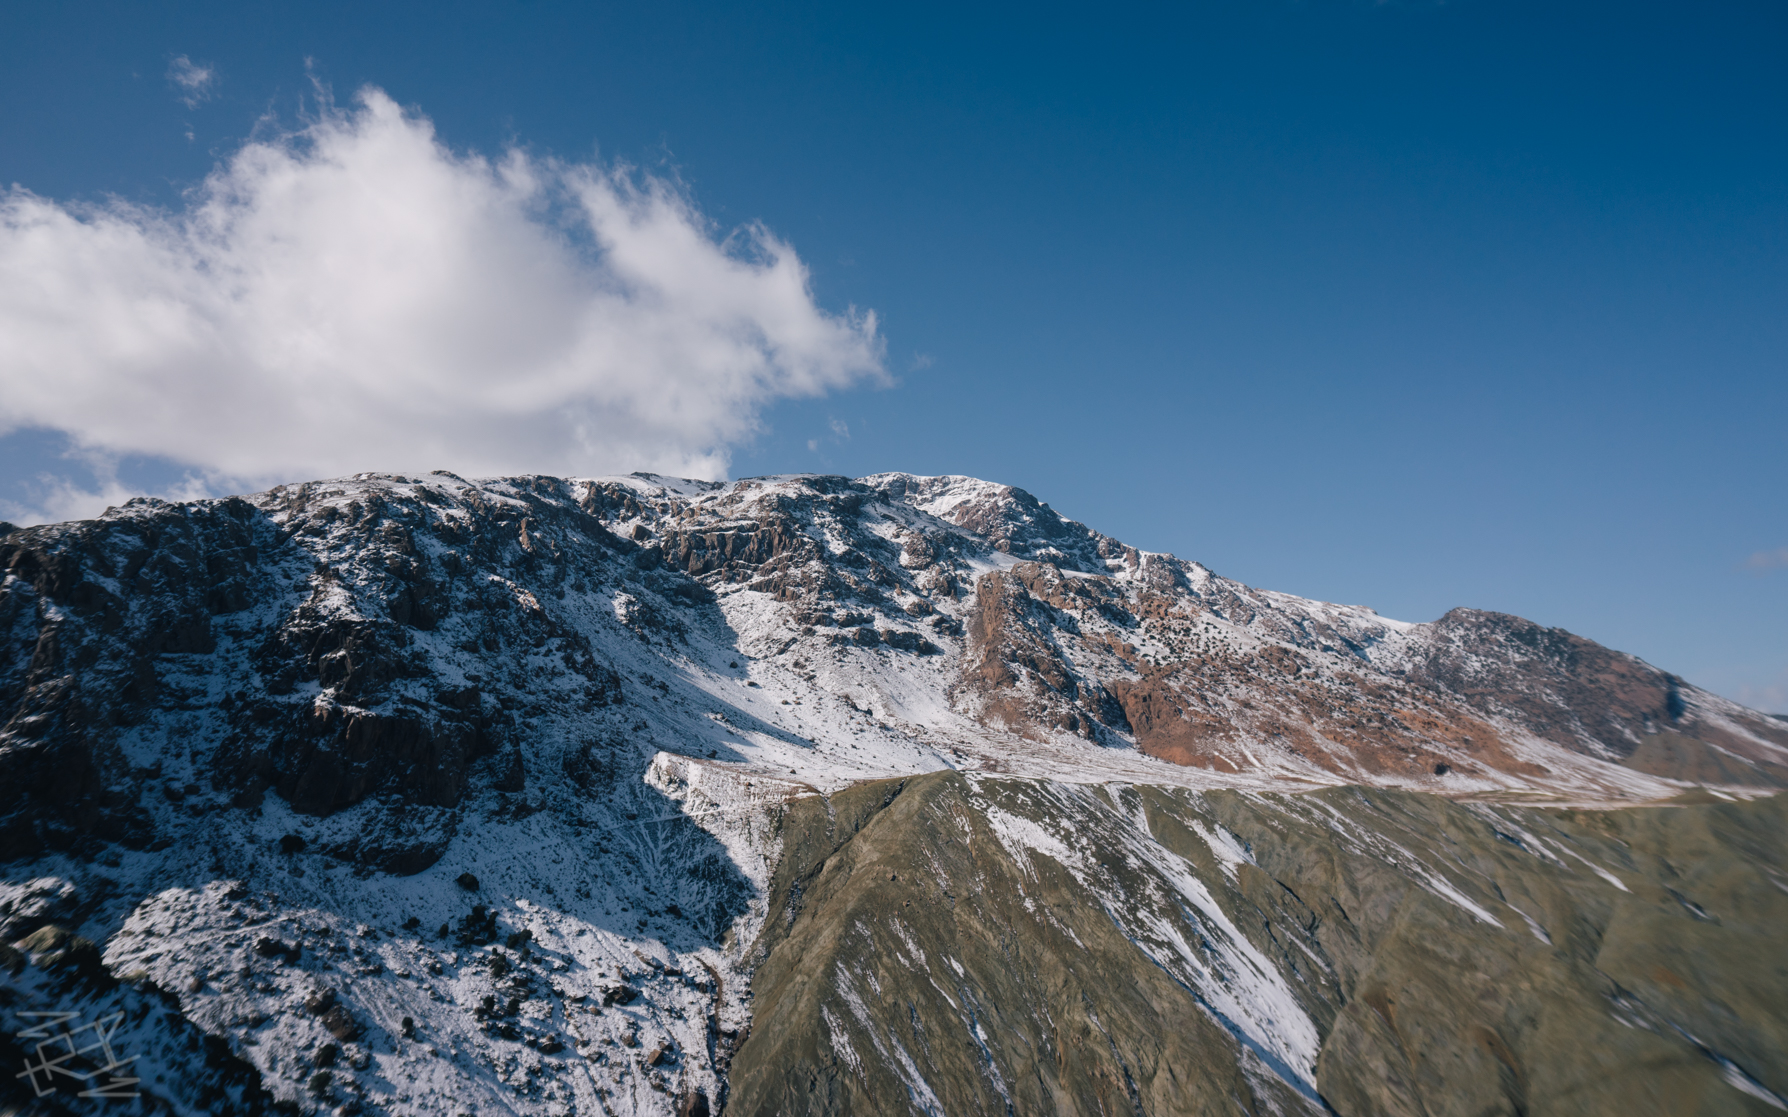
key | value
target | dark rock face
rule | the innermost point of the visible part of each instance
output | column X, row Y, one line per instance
column 1015, row 960
column 341, row 1023
column 286, row 630
column 91, row 610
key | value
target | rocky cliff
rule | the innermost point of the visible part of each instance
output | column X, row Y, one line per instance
column 419, row 795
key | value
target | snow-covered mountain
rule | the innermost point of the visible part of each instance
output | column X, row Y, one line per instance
column 558, row 770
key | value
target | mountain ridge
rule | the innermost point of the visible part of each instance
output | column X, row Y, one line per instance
column 519, row 760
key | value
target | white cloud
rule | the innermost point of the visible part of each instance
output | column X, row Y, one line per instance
column 53, row 498
column 1770, row 697
column 1768, row 560
column 840, row 429
column 194, row 82
column 354, row 295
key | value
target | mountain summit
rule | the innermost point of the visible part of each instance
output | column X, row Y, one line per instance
column 636, row 794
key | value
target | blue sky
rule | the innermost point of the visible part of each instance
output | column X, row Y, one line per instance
column 1410, row 305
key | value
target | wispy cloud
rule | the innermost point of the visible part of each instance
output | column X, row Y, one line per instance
column 78, row 482
column 1770, row 697
column 1768, row 560
column 355, row 295
column 192, row 82
column 52, row 498
column 841, row 433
